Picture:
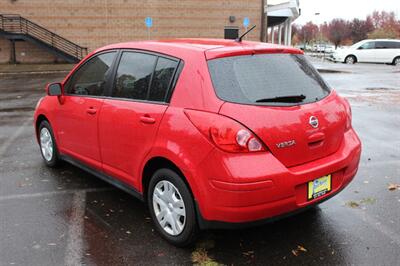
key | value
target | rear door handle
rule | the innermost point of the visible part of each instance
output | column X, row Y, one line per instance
column 146, row 119
column 91, row 110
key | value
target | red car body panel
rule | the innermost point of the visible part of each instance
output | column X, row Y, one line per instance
column 82, row 113
column 120, row 137
column 127, row 131
column 279, row 124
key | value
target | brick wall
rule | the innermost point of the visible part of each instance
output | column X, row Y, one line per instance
column 95, row 23
column 5, row 48
column 26, row 52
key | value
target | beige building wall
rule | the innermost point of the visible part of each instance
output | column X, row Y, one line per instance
column 95, row 23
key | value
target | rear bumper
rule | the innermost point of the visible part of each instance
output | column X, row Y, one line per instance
column 206, row 224
column 252, row 189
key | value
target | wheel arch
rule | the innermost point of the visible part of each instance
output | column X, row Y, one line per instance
column 153, row 165
column 353, row 55
column 40, row 118
column 394, row 59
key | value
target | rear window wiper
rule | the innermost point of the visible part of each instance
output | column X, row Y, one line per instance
column 283, row 99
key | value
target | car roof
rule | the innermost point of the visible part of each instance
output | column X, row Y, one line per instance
column 385, row 40
column 212, row 48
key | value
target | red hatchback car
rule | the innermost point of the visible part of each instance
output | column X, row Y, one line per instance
column 210, row 133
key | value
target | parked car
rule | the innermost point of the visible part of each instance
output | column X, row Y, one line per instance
column 370, row 51
column 323, row 48
column 210, row 133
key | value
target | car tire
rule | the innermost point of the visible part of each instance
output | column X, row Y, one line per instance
column 350, row 59
column 48, row 146
column 170, row 199
column 396, row 61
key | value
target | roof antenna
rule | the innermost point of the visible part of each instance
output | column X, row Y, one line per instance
column 244, row 34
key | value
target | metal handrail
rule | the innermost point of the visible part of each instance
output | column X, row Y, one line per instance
column 16, row 24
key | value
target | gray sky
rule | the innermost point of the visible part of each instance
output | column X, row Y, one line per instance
column 347, row 9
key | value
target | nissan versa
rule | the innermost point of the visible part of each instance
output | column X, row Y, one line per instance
column 210, row 133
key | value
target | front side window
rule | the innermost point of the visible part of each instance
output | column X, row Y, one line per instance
column 91, row 78
column 367, row 45
column 134, row 75
column 267, row 79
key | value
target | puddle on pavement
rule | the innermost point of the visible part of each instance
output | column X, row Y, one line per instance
column 374, row 95
column 17, row 109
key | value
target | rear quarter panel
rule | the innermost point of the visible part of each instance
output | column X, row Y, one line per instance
column 180, row 142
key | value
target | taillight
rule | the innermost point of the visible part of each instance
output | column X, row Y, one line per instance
column 224, row 132
column 349, row 114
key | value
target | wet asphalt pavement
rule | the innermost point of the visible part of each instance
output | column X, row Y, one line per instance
column 65, row 216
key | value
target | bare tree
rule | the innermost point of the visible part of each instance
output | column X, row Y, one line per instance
column 338, row 31
column 359, row 29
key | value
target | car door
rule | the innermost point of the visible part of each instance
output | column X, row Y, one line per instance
column 129, row 121
column 77, row 117
column 365, row 53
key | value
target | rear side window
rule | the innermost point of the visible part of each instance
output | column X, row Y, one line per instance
column 387, row 45
column 143, row 76
column 162, row 79
column 134, row 75
column 91, row 78
column 258, row 79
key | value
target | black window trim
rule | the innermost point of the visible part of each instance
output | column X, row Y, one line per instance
column 86, row 62
column 112, row 76
column 170, row 88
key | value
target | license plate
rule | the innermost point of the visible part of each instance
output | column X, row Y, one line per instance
column 319, row 187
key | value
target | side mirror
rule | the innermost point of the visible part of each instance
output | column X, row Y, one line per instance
column 54, row 89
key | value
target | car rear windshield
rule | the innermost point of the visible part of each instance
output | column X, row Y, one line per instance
column 267, row 79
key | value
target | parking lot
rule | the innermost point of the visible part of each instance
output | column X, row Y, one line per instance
column 65, row 216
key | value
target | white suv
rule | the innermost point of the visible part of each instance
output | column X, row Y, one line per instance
column 370, row 51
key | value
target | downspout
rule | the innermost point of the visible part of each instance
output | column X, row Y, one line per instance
column 263, row 30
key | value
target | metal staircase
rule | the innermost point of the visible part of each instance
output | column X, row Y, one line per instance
column 15, row 27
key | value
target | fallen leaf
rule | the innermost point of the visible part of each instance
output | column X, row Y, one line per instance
column 393, row 187
column 352, row 204
column 368, row 201
column 248, row 253
column 301, row 248
column 200, row 257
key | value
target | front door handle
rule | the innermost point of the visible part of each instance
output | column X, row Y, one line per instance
column 147, row 119
column 91, row 110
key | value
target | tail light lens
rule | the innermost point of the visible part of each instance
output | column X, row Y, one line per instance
column 224, row 132
column 349, row 114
